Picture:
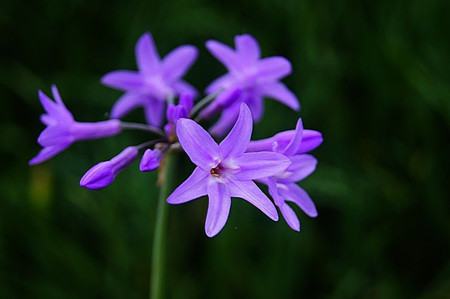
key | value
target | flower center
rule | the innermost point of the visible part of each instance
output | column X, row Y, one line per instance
column 216, row 171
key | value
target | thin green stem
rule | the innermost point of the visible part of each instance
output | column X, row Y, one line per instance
column 142, row 127
column 165, row 181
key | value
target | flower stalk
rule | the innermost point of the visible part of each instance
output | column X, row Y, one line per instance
column 165, row 182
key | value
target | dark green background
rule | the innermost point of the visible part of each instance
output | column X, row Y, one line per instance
column 373, row 76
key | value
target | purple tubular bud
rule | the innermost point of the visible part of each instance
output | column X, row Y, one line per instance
column 104, row 173
column 187, row 101
column 150, row 160
column 85, row 131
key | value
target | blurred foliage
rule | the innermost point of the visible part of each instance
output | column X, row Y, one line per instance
column 373, row 76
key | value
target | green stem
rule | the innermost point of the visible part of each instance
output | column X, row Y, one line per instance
column 165, row 181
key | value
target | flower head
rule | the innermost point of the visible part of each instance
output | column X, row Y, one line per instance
column 249, row 80
column 156, row 80
column 224, row 170
column 104, row 173
column 282, row 186
column 62, row 130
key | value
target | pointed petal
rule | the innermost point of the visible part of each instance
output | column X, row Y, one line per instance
column 225, row 54
column 177, row 62
column 192, row 188
column 227, row 98
column 129, row 101
column 258, row 165
column 256, row 105
column 123, row 80
column 57, row 96
column 225, row 121
column 280, row 93
column 154, row 111
column 296, row 140
column 290, row 217
column 301, row 167
column 55, row 135
column 311, row 140
column 299, row 196
column 218, row 208
column 147, row 57
column 197, row 143
column 47, row 153
column 248, row 191
column 247, row 47
column 273, row 68
column 222, row 82
column 237, row 140
column 182, row 87
column 55, row 110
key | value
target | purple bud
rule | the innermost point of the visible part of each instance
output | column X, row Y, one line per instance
column 104, row 173
column 187, row 101
column 150, row 160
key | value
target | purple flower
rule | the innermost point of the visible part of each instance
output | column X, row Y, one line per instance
column 282, row 186
column 249, row 80
column 224, row 170
column 103, row 174
column 62, row 130
column 154, row 83
column 150, row 160
column 175, row 112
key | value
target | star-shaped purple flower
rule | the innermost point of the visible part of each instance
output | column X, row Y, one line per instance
column 249, row 80
column 62, row 130
column 224, row 170
column 283, row 187
column 154, row 83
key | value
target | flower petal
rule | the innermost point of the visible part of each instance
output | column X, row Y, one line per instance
column 55, row 110
column 182, row 87
column 296, row 140
column 273, row 68
column 123, row 80
column 177, row 62
column 47, row 153
column 247, row 47
column 225, row 54
column 147, row 56
column 237, row 140
column 218, row 208
column 225, row 99
column 301, row 167
column 256, row 105
column 311, row 140
column 248, row 191
column 53, row 135
column 226, row 121
column 299, row 196
column 129, row 101
column 154, row 111
column 222, row 82
column 192, row 188
column 290, row 217
column 197, row 143
column 258, row 165
column 279, row 92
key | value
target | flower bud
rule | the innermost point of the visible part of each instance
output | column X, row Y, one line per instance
column 150, row 160
column 104, row 173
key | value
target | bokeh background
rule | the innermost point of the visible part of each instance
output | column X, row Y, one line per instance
column 373, row 76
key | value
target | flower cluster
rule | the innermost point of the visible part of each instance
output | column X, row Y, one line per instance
column 232, row 168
